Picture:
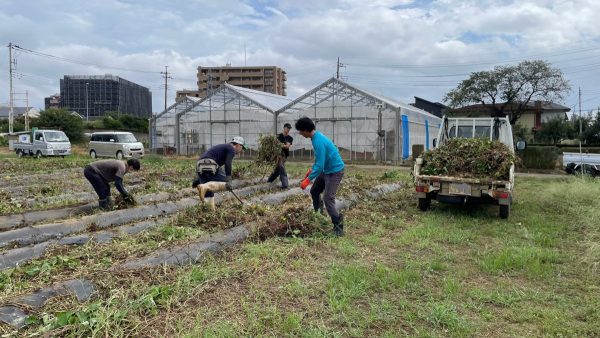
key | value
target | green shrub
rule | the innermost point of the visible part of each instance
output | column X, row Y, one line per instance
column 539, row 157
column 3, row 142
column 61, row 119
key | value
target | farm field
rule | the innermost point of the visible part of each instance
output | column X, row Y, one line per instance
column 169, row 267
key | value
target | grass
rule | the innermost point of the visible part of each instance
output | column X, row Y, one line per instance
column 398, row 272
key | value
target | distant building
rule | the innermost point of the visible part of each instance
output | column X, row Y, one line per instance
column 18, row 112
column 52, row 101
column 434, row 108
column 97, row 95
column 270, row 79
column 535, row 113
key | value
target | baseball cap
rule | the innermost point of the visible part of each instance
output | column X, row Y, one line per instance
column 239, row 140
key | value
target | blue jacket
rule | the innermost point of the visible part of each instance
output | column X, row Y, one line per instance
column 327, row 157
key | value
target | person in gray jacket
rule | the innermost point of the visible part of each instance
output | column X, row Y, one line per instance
column 101, row 173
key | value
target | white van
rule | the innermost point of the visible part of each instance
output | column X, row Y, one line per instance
column 115, row 144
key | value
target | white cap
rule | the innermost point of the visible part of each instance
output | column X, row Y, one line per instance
column 239, row 140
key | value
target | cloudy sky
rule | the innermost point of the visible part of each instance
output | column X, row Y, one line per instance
column 400, row 48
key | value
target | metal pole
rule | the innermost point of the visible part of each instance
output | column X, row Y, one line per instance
column 580, row 133
column 26, row 110
column 87, row 103
column 10, row 86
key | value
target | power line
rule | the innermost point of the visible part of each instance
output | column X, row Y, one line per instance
column 81, row 63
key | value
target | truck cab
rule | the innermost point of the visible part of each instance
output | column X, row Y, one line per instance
column 457, row 190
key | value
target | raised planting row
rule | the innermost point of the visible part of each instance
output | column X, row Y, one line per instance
column 267, row 224
column 18, row 256
column 43, row 232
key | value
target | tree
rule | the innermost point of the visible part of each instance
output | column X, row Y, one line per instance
column 555, row 130
column 507, row 90
column 63, row 120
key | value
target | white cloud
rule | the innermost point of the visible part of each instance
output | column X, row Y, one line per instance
column 303, row 37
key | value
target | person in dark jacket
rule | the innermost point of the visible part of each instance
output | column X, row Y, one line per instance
column 214, row 169
column 327, row 172
column 101, row 173
column 286, row 143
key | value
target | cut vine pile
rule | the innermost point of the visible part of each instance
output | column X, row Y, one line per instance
column 470, row 158
column 268, row 156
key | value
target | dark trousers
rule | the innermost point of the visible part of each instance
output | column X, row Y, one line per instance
column 327, row 184
column 100, row 186
column 218, row 177
column 281, row 173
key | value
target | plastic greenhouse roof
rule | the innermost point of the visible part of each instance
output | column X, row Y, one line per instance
column 390, row 102
column 271, row 102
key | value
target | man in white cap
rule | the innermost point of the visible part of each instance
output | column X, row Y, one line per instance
column 214, row 169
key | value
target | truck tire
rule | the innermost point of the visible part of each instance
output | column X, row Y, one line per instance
column 119, row 155
column 424, row 203
column 504, row 211
column 19, row 153
column 38, row 154
column 93, row 154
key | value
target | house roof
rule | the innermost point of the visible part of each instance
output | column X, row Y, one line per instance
column 531, row 105
column 17, row 111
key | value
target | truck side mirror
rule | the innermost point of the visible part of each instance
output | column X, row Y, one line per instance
column 434, row 142
column 521, row 145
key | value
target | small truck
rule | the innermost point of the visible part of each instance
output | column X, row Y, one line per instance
column 457, row 190
column 582, row 163
column 45, row 143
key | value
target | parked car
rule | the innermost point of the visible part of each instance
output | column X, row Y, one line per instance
column 115, row 144
column 44, row 143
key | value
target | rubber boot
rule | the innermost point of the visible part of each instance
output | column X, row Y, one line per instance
column 210, row 186
column 212, row 204
column 338, row 225
column 105, row 204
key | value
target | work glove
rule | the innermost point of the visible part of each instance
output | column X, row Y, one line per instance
column 128, row 198
column 228, row 185
column 305, row 183
column 308, row 173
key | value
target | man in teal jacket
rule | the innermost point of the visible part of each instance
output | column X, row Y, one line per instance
column 327, row 172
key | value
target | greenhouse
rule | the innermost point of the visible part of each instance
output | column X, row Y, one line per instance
column 365, row 126
column 229, row 111
column 162, row 126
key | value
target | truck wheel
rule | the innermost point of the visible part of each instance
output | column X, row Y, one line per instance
column 504, row 211
column 424, row 203
column 93, row 154
column 119, row 155
column 19, row 153
column 38, row 154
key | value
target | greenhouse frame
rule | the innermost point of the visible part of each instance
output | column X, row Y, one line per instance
column 364, row 126
column 227, row 112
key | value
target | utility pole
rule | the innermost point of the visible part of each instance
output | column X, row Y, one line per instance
column 10, row 86
column 26, row 110
column 580, row 132
column 337, row 68
column 167, row 77
column 87, row 102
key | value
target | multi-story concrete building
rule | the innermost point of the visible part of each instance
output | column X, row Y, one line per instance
column 52, row 101
column 93, row 96
column 270, row 79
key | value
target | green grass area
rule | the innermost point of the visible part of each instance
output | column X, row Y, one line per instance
column 450, row 272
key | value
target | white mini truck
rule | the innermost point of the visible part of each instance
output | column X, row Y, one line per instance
column 43, row 143
column 457, row 190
